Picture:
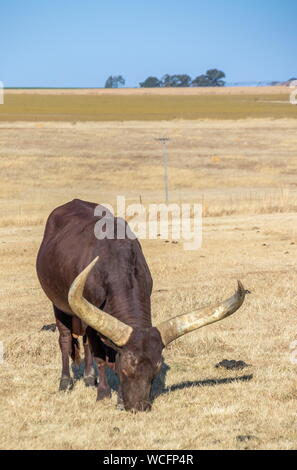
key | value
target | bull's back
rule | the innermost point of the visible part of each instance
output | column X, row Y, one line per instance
column 69, row 245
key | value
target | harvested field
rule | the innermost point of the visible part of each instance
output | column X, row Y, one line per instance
column 147, row 104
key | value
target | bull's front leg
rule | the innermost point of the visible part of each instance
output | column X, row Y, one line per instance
column 99, row 353
column 89, row 372
column 120, row 401
column 103, row 390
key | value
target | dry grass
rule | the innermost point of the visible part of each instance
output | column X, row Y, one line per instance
column 244, row 172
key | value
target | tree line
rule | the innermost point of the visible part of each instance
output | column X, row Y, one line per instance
column 212, row 77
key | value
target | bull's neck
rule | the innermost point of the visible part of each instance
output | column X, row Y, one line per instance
column 130, row 307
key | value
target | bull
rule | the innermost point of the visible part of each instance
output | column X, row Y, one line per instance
column 100, row 289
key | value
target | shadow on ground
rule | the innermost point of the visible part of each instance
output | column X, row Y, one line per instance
column 207, row 382
column 159, row 383
column 159, row 386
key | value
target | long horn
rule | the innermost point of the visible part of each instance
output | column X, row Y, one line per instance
column 182, row 324
column 107, row 325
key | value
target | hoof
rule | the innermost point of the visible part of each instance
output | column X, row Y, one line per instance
column 103, row 393
column 90, row 381
column 66, row 384
column 120, row 402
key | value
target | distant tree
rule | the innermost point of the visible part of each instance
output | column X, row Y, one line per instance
column 151, row 82
column 114, row 81
column 182, row 80
column 166, row 80
column 216, row 76
column 201, row 80
column 213, row 77
column 109, row 82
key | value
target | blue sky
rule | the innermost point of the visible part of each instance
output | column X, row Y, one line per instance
column 81, row 42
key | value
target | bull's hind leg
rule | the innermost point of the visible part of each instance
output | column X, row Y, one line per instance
column 64, row 323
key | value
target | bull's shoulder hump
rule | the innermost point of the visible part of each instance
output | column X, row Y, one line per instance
column 71, row 212
column 76, row 205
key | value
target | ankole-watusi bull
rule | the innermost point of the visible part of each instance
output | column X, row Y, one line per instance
column 101, row 288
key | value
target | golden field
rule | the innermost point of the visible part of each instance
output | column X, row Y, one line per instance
column 146, row 104
column 244, row 174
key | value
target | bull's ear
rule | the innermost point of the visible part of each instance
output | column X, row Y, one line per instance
column 110, row 344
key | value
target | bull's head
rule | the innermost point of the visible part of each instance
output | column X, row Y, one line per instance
column 140, row 349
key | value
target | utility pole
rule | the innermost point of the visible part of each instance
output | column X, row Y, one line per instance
column 164, row 141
